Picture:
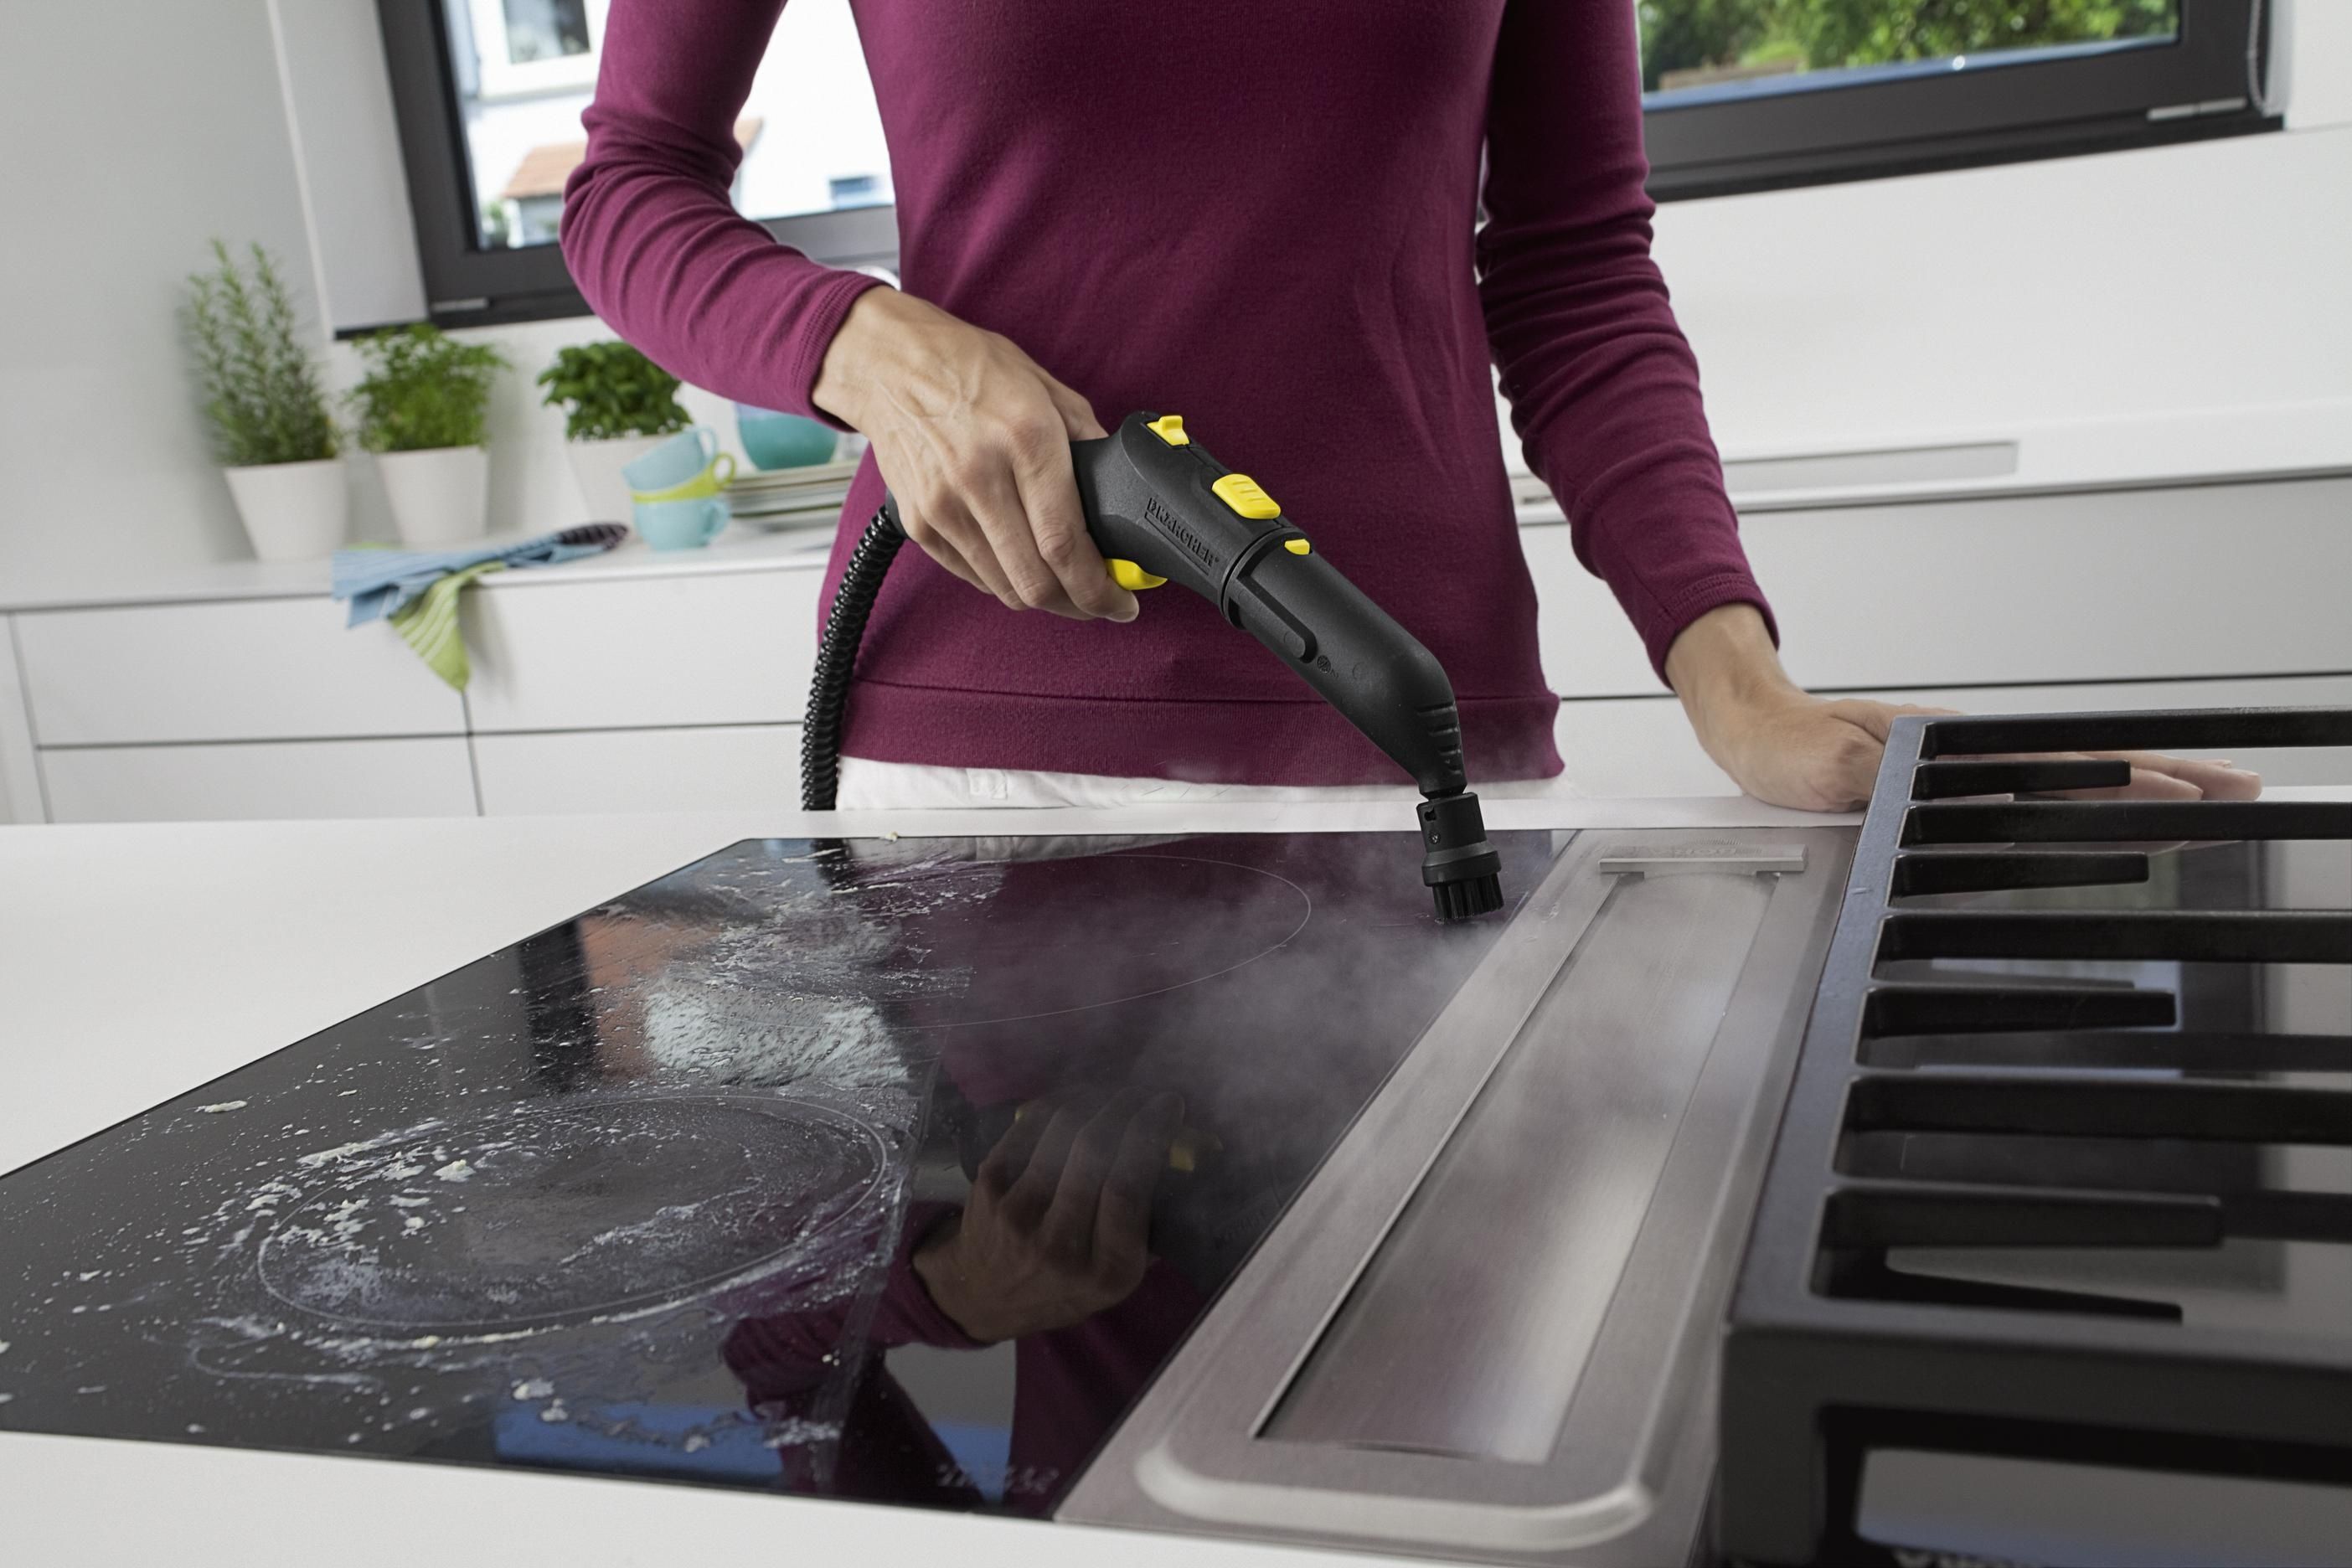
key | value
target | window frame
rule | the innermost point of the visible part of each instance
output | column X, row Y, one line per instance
column 2208, row 83
column 468, row 284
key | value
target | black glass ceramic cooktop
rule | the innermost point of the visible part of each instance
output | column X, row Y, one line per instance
column 878, row 1170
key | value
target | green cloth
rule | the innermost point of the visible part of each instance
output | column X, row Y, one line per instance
column 428, row 623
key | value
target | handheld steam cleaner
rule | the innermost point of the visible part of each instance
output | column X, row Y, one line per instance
column 1162, row 510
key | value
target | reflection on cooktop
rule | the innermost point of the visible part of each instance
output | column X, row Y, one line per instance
column 881, row 1170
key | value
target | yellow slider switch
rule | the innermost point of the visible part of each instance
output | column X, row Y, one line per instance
column 1170, row 427
column 1245, row 496
column 1131, row 577
column 1296, row 546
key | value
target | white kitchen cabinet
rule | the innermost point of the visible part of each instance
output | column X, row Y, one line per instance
column 1643, row 746
column 262, row 669
column 723, row 648
column 260, row 781
column 735, row 767
column 2132, row 585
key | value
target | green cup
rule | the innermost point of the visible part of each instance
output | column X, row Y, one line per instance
column 715, row 477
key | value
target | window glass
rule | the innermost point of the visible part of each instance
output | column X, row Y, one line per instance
column 545, row 29
column 1703, row 51
column 525, row 68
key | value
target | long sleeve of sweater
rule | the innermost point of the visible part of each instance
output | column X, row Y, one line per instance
column 1603, row 385
column 649, row 232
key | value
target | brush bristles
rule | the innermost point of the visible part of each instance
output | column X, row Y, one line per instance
column 1468, row 899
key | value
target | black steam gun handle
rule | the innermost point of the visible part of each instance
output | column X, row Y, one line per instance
column 1162, row 510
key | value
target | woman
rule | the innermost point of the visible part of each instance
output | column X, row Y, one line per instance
column 1259, row 216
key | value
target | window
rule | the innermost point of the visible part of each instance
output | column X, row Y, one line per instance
column 490, row 94
column 1753, row 94
column 1739, row 95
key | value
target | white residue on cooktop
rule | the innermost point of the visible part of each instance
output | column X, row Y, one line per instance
column 793, row 1432
column 456, row 1170
column 220, row 1105
column 533, row 1388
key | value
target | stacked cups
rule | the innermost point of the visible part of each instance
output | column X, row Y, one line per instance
column 677, row 490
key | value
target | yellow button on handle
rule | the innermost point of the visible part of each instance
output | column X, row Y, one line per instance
column 1170, row 427
column 1244, row 494
column 1131, row 577
column 1296, row 546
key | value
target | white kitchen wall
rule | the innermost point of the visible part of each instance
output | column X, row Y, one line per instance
column 2209, row 275
column 135, row 132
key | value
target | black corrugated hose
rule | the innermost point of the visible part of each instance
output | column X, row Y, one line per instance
column 836, row 656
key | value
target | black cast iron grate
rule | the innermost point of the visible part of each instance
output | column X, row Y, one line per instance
column 2012, row 1111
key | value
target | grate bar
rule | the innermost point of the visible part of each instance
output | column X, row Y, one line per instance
column 1865, row 1275
column 1915, row 1214
column 2100, row 1108
column 2193, row 729
column 2247, row 1210
column 2109, row 821
column 1985, row 1009
column 1941, row 781
column 2188, row 1051
column 2236, row 936
column 1969, row 871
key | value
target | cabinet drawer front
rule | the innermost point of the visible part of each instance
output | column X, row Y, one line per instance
column 260, row 670
column 732, row 649
column 1643, row 746
column 752, row 767
column 2138, row 586
column 267, row 781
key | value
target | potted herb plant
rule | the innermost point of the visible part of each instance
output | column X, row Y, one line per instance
column 271, row 426
column 424, row 408
column 618, row 405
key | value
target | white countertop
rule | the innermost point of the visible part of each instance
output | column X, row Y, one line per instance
column 137, row 962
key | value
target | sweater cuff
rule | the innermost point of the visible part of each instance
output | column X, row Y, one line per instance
column 1675, row 615
column 813, row 334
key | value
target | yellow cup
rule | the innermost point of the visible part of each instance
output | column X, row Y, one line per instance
column 716, row 476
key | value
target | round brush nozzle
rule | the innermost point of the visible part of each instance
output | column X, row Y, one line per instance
column 1465, row 901
column 1463, row 870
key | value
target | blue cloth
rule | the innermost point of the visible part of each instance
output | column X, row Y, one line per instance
column 379, row 582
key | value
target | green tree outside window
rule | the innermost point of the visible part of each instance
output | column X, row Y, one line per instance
column 1829, row 34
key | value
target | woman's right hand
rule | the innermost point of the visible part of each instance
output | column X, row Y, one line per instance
column 973, row 438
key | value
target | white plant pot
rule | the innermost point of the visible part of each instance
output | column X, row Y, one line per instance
column 438, row 496
column 293, row 511
column 597, row 465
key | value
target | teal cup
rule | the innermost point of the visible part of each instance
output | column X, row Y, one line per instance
column 681, row 524
column 773, row 440
column 674, row 462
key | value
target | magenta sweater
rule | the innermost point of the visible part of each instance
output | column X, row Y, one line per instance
column 1259, row 215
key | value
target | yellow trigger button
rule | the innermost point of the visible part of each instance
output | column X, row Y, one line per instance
column 1296, row 546
column 1245, row 495
column 1170, row 427
column 1131, row 577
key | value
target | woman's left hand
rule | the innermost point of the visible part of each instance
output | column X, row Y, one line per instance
column 1787, row 747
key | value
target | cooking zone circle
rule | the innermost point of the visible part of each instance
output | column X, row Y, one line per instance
column 543, row 1215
